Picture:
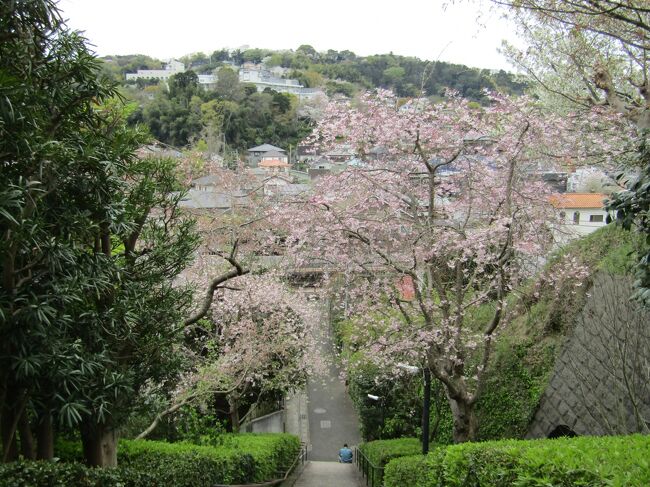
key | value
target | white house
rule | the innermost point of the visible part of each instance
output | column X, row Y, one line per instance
column 578, row 214
column 208, row 81
column 171, row 67
column 262, row 78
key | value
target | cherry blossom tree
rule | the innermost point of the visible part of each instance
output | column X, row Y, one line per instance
column 586, row 53
column 250, row 336
column 582, row 53
column 436, row 229
column 257, row 342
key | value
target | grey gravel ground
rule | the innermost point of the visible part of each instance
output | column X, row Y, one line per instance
column 328, row 474
column 332, row 418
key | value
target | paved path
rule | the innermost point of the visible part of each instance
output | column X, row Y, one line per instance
column 328, row 474
column 332, row 418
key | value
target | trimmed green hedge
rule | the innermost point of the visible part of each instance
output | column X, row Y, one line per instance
column 380, row 452
column 239, row 459
column 615, row 461
column 56, row 474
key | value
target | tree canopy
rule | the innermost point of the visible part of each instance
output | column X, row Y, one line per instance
column 585, row 54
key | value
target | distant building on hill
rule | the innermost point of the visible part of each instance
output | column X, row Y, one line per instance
column 274, row 161
column 171, row 68
column 262, row 78
column 578, row 214
column 255, row 153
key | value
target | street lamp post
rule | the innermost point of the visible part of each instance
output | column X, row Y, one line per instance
column 426, row 403
column 380, row 401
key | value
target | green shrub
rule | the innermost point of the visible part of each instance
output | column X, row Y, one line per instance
column 380, row 452
column 240, row 459
column 589, row 461
column 407, row 472
column 57, row 474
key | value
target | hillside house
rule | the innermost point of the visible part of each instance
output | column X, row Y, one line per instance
column 206, row 183
column 340, row 154
column 255, row 153
column 274, row 162
column 213, row 200
column 578, row 214
column 283, row 186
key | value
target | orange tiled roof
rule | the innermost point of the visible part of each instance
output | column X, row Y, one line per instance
column 577, row 200
column 273, row 163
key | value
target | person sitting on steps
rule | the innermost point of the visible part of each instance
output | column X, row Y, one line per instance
column 345, row 454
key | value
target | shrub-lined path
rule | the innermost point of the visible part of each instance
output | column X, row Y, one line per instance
column 332, row 420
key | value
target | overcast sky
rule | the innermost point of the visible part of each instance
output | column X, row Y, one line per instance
column 166, row 28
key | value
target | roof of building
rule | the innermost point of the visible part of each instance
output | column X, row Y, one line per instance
column 321, row 160
column 265, row 148
column 293, row 189
column 273, row 163
column 206, row 180
column 274, row 154
column 209, row 199
column 340, row 151
column 578, row 200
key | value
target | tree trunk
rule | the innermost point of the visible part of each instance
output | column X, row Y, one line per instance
column 26, row 437
column 7, row 428
column 234, row 414
column 465, row 424
column 45, row 438
column 99, row 445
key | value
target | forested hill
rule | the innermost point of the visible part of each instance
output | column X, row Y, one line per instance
column 345, row 72
column 232, row 115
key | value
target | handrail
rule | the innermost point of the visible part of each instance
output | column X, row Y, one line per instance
column 300, row 457
column 374, row 475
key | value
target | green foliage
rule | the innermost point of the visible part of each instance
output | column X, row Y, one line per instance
column 201, row 428
column 380, row 452
column 632, row 208
column 91, row 236
column 56, row 474
column 238, row 459
column 521, row 363
column 610, row 248
column 233, row 114
column 408, row 76
column 408, row 471
column 590, row 461
column 513, row 387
